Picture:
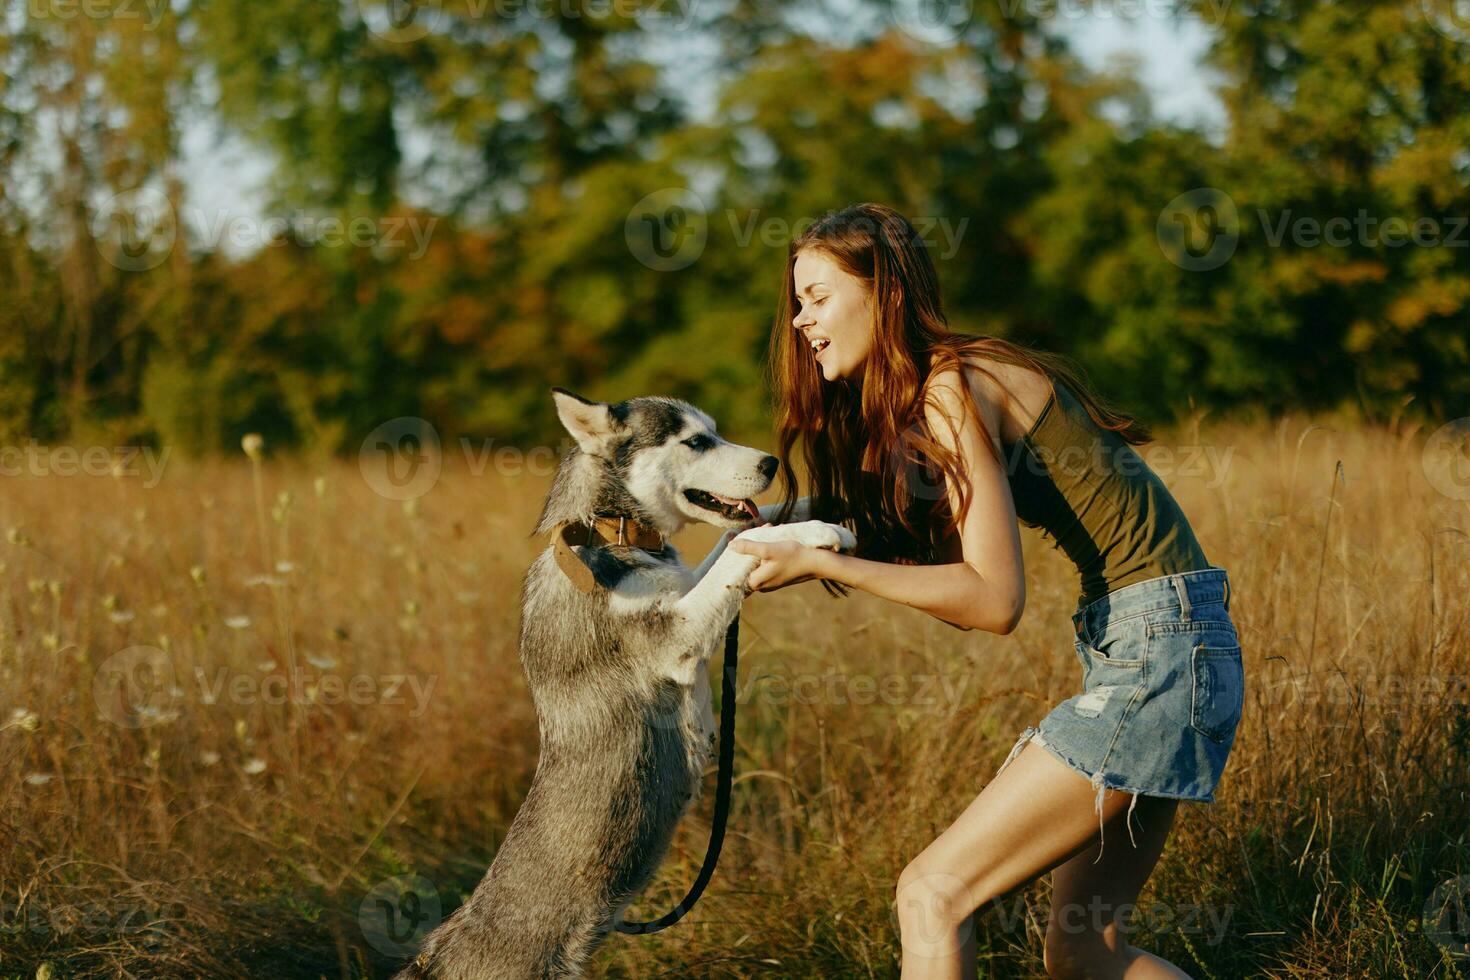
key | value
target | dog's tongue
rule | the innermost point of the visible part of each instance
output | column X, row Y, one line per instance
column 746, row 505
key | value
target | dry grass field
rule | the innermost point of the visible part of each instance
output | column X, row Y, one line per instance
column 259, row 720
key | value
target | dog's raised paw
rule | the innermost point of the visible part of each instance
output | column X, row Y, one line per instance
column 820, row 534
column 815, row 534
column 846, row 540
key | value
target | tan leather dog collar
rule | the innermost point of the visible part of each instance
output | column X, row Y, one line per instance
column 604, row 530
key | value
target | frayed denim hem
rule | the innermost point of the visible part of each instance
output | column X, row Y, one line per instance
column 1100, row 780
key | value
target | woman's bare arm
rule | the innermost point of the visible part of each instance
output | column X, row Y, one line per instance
column 988, row 589
column 954, row 593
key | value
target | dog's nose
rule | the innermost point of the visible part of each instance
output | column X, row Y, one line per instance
column 768, row 466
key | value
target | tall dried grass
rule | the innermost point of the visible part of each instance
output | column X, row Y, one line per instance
column 239, row 826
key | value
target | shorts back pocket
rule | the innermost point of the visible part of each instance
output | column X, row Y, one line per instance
column 1219, row 690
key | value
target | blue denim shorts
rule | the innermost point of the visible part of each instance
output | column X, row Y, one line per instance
column 1162, row 689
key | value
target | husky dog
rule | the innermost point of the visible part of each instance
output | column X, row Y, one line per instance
column 617, row 670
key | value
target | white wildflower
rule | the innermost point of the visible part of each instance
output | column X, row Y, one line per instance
column 24, row 719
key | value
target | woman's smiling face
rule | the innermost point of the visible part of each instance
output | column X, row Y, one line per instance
column 835, row 307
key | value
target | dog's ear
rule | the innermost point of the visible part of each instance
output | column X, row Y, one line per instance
column 592, row 424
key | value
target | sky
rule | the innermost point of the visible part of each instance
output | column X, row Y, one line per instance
column 226, row 176
column 1181, row 88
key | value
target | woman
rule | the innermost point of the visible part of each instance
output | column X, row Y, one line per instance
column 931, row 445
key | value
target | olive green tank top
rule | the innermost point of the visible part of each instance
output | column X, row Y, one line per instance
column 1097, row 500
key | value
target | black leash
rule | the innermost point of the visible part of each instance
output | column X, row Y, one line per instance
column 722, row 792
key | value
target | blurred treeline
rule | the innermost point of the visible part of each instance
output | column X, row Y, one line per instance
column 529, row 132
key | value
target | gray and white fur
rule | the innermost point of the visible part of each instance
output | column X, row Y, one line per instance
column 620, row 684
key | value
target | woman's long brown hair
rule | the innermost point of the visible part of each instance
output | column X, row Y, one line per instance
column 867, row 449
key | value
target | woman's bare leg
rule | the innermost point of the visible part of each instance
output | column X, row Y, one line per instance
column 1037, row 814
column 1085, row 934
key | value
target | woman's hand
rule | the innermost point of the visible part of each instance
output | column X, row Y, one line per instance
column 783, row 563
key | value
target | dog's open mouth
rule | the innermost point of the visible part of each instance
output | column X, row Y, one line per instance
column 729, row 507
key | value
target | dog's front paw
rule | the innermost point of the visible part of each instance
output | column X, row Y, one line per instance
column 846, row 540
column 814, row 534
column 833, row 537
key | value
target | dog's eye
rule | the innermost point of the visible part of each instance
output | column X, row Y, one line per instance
column 699, row 441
